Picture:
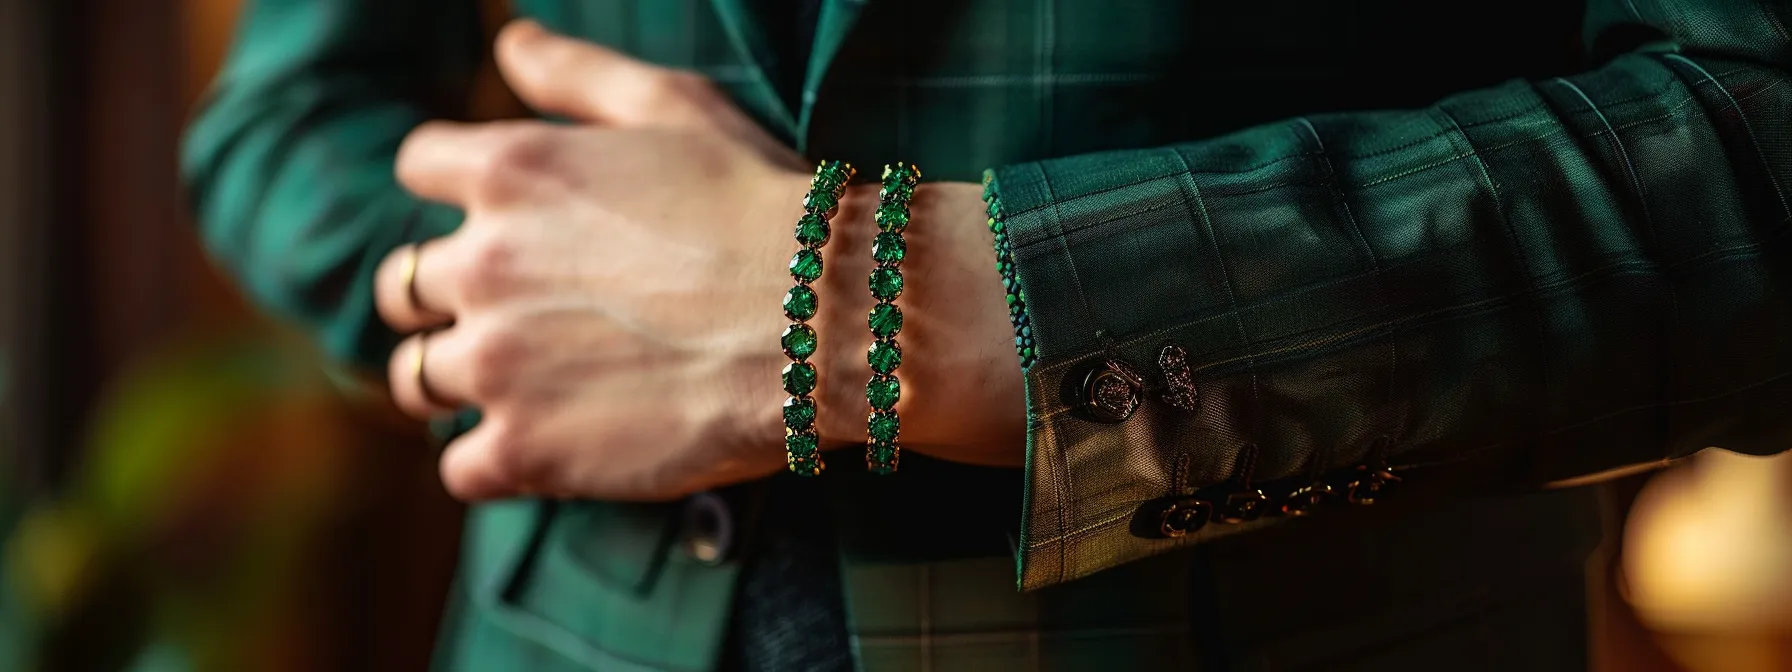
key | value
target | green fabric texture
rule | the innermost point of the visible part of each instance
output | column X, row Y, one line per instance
column 1568, row 265
column 1552, row 278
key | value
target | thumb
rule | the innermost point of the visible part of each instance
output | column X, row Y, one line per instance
column 587, row 82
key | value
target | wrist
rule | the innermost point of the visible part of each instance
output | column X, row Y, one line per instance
column 962, row 387
column 845, row 301
column 969, row 399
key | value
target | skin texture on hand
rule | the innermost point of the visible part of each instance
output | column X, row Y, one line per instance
column 611, row 303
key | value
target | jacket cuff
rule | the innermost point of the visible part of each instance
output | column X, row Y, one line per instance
column 1087, row 473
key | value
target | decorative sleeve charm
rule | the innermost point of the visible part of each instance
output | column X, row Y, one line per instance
column 882, row 451
column 1017, row 300
column 801, row 446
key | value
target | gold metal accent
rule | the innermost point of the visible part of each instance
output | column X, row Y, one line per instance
column 1244, row 507
column 1307, row 499
column 408, row 272
column 1183, row 517
column 418, row 375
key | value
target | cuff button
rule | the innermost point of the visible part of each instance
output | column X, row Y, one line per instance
column 1308, row 499
column 1179, row 381
column 1244, row 507
column 1184, row 516
column 1111, row 392
column 1370, row 486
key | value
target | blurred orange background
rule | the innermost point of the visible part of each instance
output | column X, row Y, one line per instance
column 185, row 485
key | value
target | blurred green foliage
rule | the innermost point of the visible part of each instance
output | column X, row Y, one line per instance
column 174, row 544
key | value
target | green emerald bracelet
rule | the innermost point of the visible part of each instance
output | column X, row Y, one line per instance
column 882, row 449
column 802, row 447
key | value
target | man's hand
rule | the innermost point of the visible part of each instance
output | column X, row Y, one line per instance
column 611, row 302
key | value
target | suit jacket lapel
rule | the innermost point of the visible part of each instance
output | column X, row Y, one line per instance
column 749, row 41
column 835, row 23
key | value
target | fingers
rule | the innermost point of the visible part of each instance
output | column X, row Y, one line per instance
column 591, row 83
column 496, row 460
column 416, row 374
column 473, row 466
column 477, row 362
column 469, row 165
column 409, row 293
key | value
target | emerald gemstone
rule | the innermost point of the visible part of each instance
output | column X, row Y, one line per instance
column 803, row 452
column 799, row 413
column 805, row 266
column 799, row 304
column 884, row 355
column 881, row 458
column 883, row 426
column 883, row 391
column 799, row 378
column 820, row 201
column 799, row 341
column 896, row 193
column 892, row 218
column 901, row 172
column 801, row 442
column 806, row 465
column 886, row 284
column 889, row 248
column 885, row 320
column 812, row 230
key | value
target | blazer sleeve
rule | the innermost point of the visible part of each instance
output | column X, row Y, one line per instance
column 1539, row 283
column 289, row 164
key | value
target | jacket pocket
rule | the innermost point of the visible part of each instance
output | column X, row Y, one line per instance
column 597, row 584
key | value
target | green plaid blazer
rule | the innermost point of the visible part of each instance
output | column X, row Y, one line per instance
column 1491, row 247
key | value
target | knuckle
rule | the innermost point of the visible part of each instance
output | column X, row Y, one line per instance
column 492, row 359
column 688, row 84
column 662, row 90
column 519, row 156
column 513, row 459
column 490, row 269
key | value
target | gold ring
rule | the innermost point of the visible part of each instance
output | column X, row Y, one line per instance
column 409, row 274
column 417, row 373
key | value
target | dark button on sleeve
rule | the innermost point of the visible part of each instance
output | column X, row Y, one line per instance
column 1244, row 506
column 1370, row 485
column 1308, row 499
column 1111, row 392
